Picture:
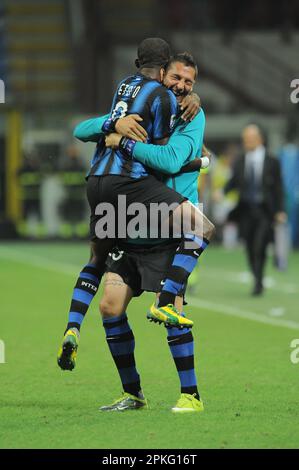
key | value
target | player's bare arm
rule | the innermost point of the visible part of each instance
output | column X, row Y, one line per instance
column 199, row 162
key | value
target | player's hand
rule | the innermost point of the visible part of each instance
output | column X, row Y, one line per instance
column 112, row 140
column 129, row 127
column 191, row 105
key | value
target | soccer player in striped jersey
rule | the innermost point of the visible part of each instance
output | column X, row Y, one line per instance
column 134, row 269
column 137, row 268
column 114, row 172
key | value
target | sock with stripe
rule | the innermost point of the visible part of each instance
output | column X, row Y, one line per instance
column 185, row 259
column 121, row 343
column 181, row 345
column 85, row 289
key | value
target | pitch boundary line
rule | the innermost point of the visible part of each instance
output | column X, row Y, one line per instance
column 235, row 312
column 39, row 262
column 70, row 270
column 244, row 278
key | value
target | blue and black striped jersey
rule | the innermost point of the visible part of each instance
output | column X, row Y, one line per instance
column 158, row 108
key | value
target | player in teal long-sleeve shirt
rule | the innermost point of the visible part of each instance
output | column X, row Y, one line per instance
column 184, row 145
column 132, row 270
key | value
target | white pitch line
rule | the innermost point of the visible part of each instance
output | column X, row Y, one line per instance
column 235, row 312
column 70, row 269
column 38, row 261
column 245, row 278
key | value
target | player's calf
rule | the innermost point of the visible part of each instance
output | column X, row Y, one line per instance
column 191, row 247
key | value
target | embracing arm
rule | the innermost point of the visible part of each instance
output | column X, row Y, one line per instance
column 91, row 129
column 198, row 163
column 167, row 158
column 181, row 147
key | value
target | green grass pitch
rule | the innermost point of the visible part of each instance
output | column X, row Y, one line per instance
column 247, row 381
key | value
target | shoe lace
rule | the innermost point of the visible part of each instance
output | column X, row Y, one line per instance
column 181, row 314
column 123, row 397
column 173, row 308
column 186, row 398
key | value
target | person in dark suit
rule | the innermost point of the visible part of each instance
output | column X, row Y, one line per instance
column 257, row 177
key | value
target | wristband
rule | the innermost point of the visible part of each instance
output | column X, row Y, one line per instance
column 127, row 146
column 205, row 162
column 109, row 125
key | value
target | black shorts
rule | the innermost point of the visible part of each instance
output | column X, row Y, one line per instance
column 142, row 269
column 106, row 189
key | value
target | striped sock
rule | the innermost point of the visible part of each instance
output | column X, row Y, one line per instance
column 86, row 288
column 182, row 266
column 181, row 345
column 121, row 343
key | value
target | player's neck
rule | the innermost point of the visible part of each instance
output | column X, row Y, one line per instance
column 150, row 72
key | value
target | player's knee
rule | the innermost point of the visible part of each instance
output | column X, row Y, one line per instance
column 109, row 308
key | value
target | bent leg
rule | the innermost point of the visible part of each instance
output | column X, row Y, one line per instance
column 197, row 232
column 88, row 282
column 85, row 289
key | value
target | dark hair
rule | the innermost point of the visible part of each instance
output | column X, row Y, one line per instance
column 186, row 59
column 152, row 53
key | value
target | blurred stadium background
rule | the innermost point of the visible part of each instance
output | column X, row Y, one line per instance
column 60, row 61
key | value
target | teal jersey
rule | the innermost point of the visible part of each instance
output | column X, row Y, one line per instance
column 183, row 146
column 91, row 129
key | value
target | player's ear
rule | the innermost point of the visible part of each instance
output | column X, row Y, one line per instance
column 137, row 63
column 162, row 74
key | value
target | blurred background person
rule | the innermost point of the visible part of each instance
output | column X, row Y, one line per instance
column 257, row 177
column 221, row 172
column 72, row 208
column 289, row 160
column 30, row 181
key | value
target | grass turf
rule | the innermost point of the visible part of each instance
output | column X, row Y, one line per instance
column 248, row 384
